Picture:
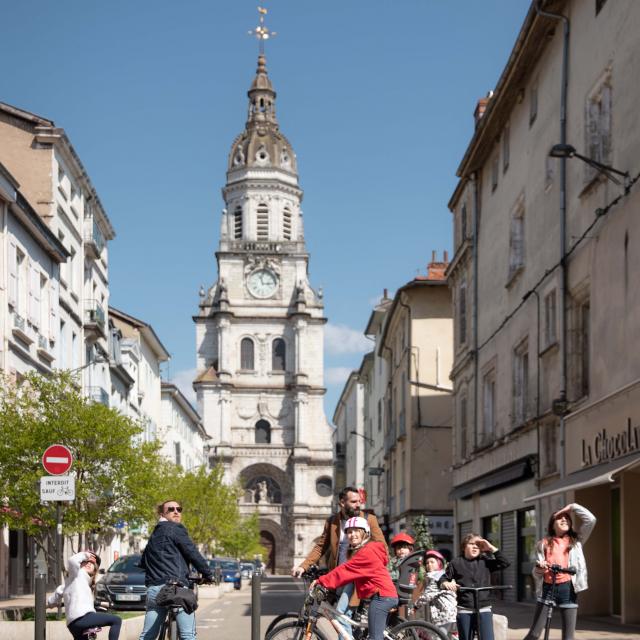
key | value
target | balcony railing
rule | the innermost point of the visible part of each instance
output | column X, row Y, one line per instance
column 264, row 247
column 93, row 239
column 94, row 316
column 98, row 394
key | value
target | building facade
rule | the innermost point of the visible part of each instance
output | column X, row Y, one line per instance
column 544, row 377
column 415, row 344
column 259, row 341
column 181, row 430
column 348, row 419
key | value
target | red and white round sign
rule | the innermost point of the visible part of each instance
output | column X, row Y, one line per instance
column 57, row 459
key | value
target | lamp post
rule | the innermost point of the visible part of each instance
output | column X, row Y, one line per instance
column 568, row 151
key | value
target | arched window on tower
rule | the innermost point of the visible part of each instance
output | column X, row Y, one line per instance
column 278, row 355
column 237, row 223
column 247, row 360
column 263, row 432
column 286, row 223
column 262, row 223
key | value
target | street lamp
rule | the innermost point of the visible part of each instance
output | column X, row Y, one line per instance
column 369, row 440
column 568, row 151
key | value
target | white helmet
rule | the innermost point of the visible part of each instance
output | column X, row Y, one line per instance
column 358, row 523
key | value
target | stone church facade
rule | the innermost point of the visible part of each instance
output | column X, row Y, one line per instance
column 259, row 343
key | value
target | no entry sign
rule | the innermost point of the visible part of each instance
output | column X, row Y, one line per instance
column 57, row 459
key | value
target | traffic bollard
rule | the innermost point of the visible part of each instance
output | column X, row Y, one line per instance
column 41, row 608
column 256, row 583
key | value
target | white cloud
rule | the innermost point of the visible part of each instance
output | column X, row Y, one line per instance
column 183, row 380
column 340, row 339
column 336, row 375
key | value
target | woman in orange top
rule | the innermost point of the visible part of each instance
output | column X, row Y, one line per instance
column 567, row 531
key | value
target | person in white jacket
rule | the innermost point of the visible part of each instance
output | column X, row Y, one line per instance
column 77, row 595
column 567, row 531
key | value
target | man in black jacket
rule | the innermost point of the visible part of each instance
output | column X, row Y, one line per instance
column 167, row 557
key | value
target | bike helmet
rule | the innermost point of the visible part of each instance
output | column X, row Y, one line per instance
column 402, row 537
column 358, row 523
column 432, row 553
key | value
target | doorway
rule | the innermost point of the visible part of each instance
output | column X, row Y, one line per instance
column 269, row 543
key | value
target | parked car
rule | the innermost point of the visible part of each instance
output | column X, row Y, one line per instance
column 228, row 569
column 122, row 585
column 246, row 569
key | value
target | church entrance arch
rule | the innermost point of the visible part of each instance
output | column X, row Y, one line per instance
column 269, row 543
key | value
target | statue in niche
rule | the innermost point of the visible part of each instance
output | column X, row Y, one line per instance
column 251, row 497
column 262, row 493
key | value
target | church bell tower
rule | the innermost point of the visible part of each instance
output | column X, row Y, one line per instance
column 259, row 342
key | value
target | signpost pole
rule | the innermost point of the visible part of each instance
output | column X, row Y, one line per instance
column 59, row 561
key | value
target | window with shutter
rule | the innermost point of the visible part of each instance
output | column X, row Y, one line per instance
column 247, row 354
column 462, row 313
column 286, row 223
column 53, row 308
column 463, row 427
column 489, row 407
column 13, row 274
column 237, row 223
column 516, row 242
column 520, row 383
column 34, row 295
column 598, row 127
column 262, row 223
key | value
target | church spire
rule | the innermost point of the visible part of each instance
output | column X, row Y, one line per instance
column 262, row 98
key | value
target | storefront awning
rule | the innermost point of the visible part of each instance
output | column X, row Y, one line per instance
column 514, row 472
column 590, row 477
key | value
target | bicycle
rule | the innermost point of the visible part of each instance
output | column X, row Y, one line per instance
column 476, row 605
column 169, row 628
column 92, row 632
column 316, row 606
column 311, row 574
column 550, row 600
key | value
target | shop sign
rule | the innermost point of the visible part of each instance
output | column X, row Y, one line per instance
column 441, row 524
column 606, row 446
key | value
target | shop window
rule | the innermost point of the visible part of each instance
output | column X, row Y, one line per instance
column 526, row 554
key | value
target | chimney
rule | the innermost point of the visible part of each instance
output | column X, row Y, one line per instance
column 481, row 107
column 385, row 295
column 436, row 270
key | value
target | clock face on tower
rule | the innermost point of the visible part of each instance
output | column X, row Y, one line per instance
column 262, row 283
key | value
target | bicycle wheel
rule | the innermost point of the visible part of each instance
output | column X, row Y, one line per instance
column 418, row 630
column 290, row 616
column 293, row 631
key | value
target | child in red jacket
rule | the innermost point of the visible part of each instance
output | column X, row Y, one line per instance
column 367, row 568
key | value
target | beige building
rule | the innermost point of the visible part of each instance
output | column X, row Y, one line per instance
column 546, row 382
column 416, row 345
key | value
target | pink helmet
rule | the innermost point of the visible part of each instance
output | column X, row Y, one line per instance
column 358, row 523
column 432, row 553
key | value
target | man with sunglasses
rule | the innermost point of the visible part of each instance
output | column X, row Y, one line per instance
column 167, row 556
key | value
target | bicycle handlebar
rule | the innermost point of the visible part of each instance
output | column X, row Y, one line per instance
column 502, row 587
column 556, row 568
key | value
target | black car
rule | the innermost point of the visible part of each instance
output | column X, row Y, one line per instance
column 122, row 586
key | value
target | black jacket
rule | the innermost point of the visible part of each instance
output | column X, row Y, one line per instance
column 168, row 554
column 474, row 573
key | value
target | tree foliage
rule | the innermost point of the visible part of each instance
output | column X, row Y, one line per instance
column 422, row 535
column 118, row 476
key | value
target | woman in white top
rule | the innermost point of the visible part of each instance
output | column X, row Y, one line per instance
column 77, row 595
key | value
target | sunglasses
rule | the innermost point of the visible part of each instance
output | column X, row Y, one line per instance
column 170, row 509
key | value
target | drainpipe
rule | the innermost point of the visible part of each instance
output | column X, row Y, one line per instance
column 474, row 255
column 563, row 226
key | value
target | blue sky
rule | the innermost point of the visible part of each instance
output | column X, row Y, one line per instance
column 377, row 99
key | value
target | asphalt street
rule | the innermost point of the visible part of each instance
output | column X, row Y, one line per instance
column 229, row 617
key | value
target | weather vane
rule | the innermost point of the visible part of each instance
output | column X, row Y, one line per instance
column 262, row 32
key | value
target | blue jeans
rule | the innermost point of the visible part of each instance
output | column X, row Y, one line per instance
column 92, row 619
column 344, row 595
column 378, row 612
column 155, row 616
column 468, row 623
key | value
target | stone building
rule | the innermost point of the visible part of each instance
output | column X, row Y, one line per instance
column 546, row 316
column 416, row 345
column 259, row 342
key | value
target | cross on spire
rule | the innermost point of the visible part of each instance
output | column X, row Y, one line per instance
column 262, row 32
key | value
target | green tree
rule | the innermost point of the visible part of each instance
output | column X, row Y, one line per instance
column 242, row 540
column 422, row 533
column 118, row 476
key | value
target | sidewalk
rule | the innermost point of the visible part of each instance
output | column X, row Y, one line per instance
column 588, row 628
